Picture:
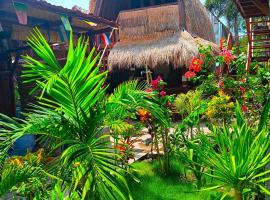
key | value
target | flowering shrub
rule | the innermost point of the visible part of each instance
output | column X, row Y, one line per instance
column 220, row 108
column 226, row 73
column 157, row 128
column 226, row 56
column 194, row 67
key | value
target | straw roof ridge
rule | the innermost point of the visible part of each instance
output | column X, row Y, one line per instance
column 177, row 50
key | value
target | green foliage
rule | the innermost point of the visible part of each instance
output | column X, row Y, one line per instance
column 187, row 103
column 26, row 175
column 73, row 117
column 228, row 10
column 220, row 108
column 238, row 155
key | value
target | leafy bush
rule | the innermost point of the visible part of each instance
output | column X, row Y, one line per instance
column 220, row 108
column 238, row 155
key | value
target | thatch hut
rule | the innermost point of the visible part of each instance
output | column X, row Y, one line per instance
column 163, row 38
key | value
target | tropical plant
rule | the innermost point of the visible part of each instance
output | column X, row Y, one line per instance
column 187, row 103
column 238, row 155
column 159, row 130
column 220, row 108
column 183, row 140
column 26, row 176
column 228, row 10
column 75, row 115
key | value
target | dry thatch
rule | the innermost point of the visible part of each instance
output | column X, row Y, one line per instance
column 152, row 37
column 176, row 50
column 197, row 20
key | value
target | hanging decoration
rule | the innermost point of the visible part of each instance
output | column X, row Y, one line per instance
column 90, row 23
column 105, row 39
column 21, row 12
column 65, row 21
column 63, row 34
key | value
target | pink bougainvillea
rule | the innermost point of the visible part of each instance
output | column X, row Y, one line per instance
column 157, row 83
column 162, row 93
column 227, row 55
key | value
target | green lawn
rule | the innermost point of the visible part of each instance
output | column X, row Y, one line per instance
column 153, row 186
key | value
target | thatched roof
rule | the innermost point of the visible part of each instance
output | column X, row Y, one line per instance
column 177, row 50
column 198, row 21
column 152, row 36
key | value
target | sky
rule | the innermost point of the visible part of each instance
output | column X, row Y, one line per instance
column 70, row 3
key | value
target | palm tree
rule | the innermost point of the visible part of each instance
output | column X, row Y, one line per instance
column 74, row 116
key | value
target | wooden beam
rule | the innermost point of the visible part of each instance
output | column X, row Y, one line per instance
column 240, row 8
column 95, row 32
column 262, row 7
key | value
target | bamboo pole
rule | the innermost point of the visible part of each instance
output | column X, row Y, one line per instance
column 104, row 50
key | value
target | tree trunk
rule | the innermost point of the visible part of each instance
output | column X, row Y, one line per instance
column 236, row 32
column 238, row 195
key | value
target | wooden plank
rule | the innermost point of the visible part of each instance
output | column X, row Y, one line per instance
column 240, row 8
column 261, row 47
column 230, row 42
column 261, row 21
column 262, row 7
column 261, row 59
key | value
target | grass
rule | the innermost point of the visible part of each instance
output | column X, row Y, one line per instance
column 153, row 186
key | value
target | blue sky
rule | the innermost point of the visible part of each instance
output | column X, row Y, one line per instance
column 69, row 3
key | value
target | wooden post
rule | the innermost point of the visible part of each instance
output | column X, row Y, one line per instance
column 182, row 15
column 229, row 42
column 7, row 90
column 103, row 53
column 249, row 51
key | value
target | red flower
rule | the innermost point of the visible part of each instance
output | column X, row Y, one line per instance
column 242, row 89
column 244, row 108
column 148, row 90
column 197, row 68
column 189, row 74
column 156, row 83
column 227, row 55
column 162, row 93
column 221, row 84
column 168, row 104
column 195, row 65
column 120, row 148
column 159, row 78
